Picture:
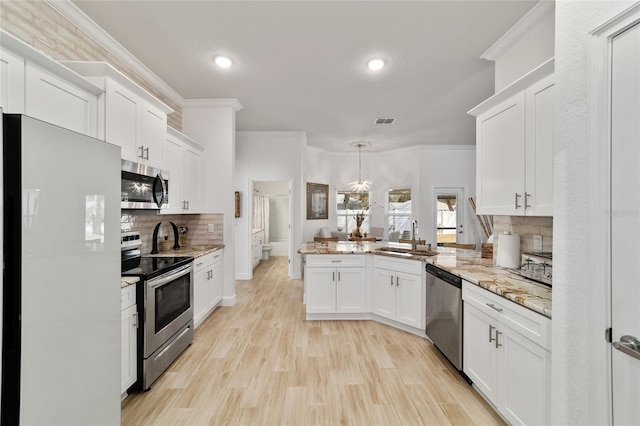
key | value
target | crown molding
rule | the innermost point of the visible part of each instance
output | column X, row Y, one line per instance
column 537, row 14
column 272, row 133
column 212, row 103
column 70, row 11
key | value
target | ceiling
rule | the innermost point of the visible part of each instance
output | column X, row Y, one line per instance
column 301, row 65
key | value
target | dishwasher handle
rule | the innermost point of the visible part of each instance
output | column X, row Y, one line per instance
column 445, row 276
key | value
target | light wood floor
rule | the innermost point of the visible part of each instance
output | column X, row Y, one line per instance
column 261, row 363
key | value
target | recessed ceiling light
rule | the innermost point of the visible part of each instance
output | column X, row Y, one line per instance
column 375, row 64
column 223, row 61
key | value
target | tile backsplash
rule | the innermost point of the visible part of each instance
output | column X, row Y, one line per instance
column 526, row 227
column 197, row 224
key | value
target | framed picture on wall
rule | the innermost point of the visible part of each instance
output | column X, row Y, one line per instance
column 317, row 201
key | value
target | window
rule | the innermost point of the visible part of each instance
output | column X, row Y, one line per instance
column 399, row 207
column 348, row 205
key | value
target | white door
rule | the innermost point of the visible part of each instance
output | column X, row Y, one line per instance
column 625, row 225
column 450, row 219
column 384, row 293
column 350, row 290
column 409, row 299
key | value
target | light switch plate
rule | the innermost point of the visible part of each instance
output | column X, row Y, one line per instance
column 537, row 242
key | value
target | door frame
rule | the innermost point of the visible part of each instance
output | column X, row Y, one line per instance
column 600, row 48
column 461, row 209
column 250, row 222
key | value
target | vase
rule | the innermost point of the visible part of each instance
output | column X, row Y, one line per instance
column 356, row 232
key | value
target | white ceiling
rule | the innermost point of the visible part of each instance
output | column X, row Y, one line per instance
column 301, row 65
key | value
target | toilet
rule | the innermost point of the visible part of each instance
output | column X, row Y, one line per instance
column 266, row 249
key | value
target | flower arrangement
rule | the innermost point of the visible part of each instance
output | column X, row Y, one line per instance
column 359, row 218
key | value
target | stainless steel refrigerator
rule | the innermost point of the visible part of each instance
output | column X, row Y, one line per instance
column 61, row 297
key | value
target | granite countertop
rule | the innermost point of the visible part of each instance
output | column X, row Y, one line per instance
column 192, row 251
column 466, row 264
column 127, row 281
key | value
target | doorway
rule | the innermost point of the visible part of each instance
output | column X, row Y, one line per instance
column 272, row 212
column 449, row 215
column 615, row 149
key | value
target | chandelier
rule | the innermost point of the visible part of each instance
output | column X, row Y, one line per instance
column 360, row 185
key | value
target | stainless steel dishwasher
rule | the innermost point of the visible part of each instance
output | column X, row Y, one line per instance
column 444, row 314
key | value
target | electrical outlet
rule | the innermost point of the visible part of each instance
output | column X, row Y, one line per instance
column 210, row 228
column 537, row 242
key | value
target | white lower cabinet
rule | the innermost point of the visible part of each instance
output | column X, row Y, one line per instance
column 507, row 355
column 214, row 284
column 335, row 284
column 398, row 290
column 207, row 285
column 128, row 338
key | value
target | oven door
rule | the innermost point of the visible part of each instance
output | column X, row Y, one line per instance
column 168, row 306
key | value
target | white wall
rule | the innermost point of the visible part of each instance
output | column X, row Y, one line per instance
column 531, row 50
column 580, row 376
column 212, row 123
column 267, row 156
column 279, row 208
column 419, row 168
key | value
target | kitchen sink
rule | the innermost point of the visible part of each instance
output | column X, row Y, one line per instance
column 408, row 251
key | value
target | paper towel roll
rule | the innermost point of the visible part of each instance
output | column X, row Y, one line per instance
column 508, row 251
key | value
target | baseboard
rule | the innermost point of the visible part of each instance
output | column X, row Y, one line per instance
column 243, row 276
column 228, row 301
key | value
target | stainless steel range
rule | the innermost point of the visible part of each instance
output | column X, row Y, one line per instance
column 538, row 267
column 165, row 304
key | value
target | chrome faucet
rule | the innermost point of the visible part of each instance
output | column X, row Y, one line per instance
column 414, row 242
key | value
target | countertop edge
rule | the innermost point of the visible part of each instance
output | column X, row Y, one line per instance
column 475, row 270
column 189, row 251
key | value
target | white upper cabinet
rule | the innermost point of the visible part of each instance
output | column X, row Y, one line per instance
column 54, row 100
column 539, row 155
column 34, row 84
column 11, row 82
column 514, row 143
column 182, row 159
column 131, row 117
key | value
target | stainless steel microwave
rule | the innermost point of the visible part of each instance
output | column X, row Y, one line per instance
column 143, row 187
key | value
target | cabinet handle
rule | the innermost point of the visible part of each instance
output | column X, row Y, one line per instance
column 146, row 157
column 187, row 205
column 491, row 328
column 397, row 281
column 135, row 320
column 333, row 274
column 338, row 275
column 526, row 200
column 517, row 196
column 391, row 280
column 141, row 148
column 492, row 306
column 497, row 336
column 336, row 261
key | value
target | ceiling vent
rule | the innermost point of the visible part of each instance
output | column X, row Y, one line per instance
column 385, row 120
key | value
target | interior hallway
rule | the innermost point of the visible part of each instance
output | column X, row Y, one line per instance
column 261, row 363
